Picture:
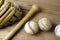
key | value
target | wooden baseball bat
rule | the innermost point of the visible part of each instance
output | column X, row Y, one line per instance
column 33, row 10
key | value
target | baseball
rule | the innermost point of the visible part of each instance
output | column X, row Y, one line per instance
column 57, row 30
column 44, row 24
column 31, row 27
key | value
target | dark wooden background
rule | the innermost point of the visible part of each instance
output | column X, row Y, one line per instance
column 50, row 9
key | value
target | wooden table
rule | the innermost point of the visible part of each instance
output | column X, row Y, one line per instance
column 50, row 9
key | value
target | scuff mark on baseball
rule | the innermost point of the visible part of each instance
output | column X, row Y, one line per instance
column 45, row 24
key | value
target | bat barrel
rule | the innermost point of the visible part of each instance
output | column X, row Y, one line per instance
column 32, row 11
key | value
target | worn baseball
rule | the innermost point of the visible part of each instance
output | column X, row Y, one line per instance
column 44, row 24
column 31, row 27
column 57, row 30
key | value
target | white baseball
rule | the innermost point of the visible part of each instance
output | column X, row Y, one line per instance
column 57, row 30
column 31, row 27
column 44, row 24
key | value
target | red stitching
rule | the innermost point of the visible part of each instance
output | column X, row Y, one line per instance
column 30, row 27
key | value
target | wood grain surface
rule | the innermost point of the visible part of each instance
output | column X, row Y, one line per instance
column 49, row 9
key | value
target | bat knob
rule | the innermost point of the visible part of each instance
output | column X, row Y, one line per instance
column 35, row 7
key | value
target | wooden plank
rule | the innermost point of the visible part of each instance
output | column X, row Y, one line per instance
column 50, row 9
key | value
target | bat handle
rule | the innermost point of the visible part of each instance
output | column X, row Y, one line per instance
column 32, row 11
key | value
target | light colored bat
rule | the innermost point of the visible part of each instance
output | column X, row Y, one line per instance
column 7, row 18
column 5, row 8
column 6, row 14
column 20, row 24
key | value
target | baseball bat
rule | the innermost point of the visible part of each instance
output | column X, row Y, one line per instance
column 33, row 10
